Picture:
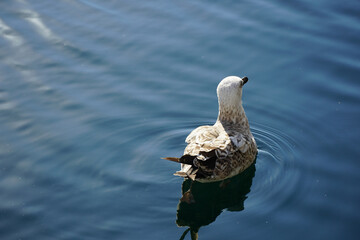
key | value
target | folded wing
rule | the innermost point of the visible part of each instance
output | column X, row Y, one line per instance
column 206, row 144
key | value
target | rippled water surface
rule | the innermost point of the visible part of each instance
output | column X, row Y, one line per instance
column 93, row 93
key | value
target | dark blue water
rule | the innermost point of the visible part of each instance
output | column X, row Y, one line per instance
column 93, row 93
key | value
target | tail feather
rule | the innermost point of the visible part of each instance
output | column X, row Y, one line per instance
column 190, row 174
column 185, row 159
column 187, row 170
column 180, row 174
column 173, row 159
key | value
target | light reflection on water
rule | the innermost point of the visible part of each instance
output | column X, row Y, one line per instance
column 93, row 94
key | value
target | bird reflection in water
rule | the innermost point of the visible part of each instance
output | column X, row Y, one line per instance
column 201, row 203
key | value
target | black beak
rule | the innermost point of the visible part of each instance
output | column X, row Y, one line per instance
column 245, row 79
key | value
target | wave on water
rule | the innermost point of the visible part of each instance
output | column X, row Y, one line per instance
column 277, row 178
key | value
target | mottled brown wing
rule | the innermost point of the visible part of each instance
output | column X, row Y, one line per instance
column 206, row 144
column 203, row 139
column 211, row 138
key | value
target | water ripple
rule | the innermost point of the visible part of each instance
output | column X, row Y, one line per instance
column 277, row 176
column 165, row 139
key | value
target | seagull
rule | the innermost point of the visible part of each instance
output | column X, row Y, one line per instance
column 225, row 149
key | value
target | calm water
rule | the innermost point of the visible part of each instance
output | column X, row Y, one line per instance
column 93, row 93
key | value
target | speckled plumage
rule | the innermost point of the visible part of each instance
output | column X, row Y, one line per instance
column 225, row 149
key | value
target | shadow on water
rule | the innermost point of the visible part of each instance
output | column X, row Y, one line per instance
column 210, row 199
